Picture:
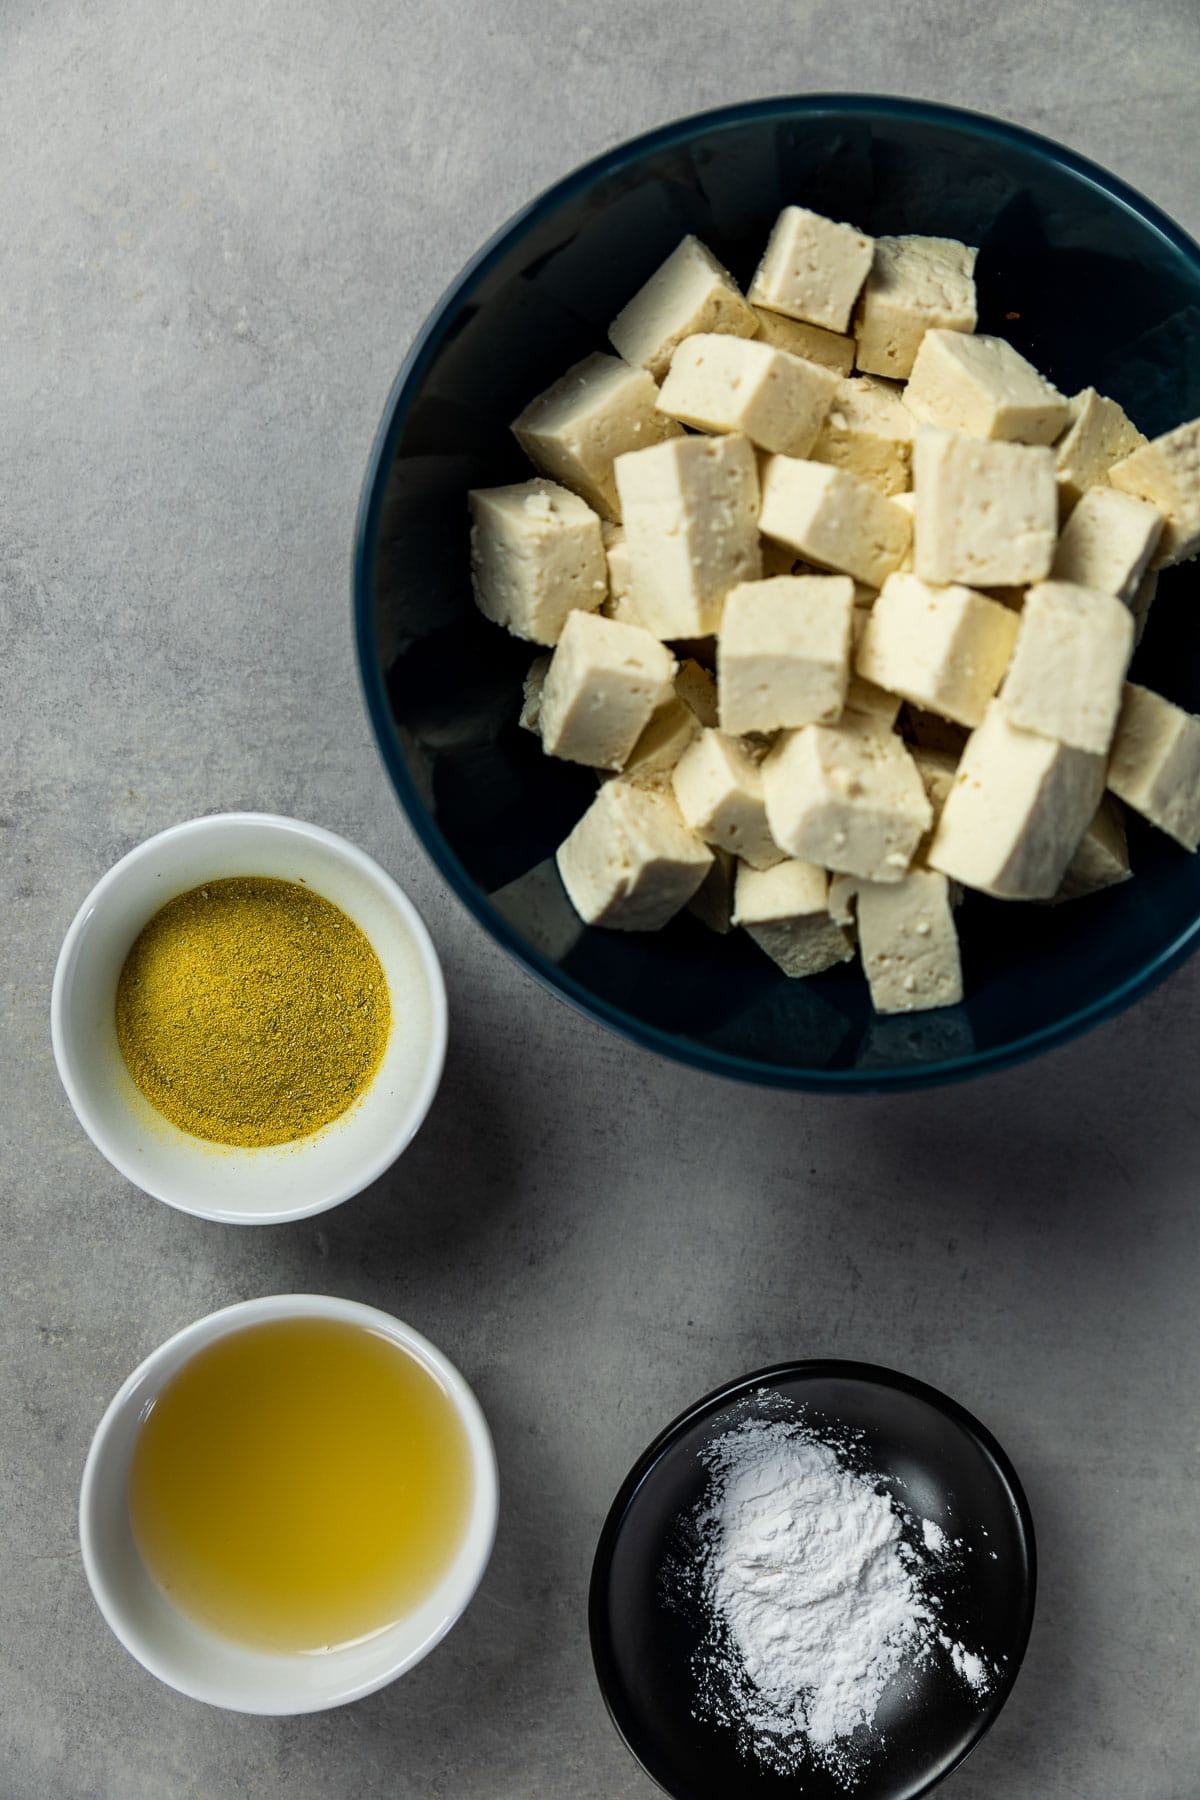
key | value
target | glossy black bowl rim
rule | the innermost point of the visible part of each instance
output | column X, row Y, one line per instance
column 810, row 1369
column 395, row 413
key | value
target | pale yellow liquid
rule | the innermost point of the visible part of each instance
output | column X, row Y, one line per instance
column 300, row 1484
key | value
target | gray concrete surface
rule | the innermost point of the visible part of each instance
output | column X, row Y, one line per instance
column 219, row 226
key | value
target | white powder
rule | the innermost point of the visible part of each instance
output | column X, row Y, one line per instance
column 818, row 1598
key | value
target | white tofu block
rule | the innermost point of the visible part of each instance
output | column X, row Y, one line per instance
column 812, row 269
column 847, row 796
column 783, row 657
column 868, row 431
column 712, row 902
column 986, row 514
column 696, row 686
column 631, row 863
column 736, row 384
column 985, row 388
column 531, row 694
column 784, row 910
column 690, row 292
column 691, row 530
column 1143, row 600
column 1018, row 808
column 1166, row 472
column 653, row 758
column 1102, row 859
column 1107, row 543
column 943, row 648
column 536, row 556
column 1098, row 436
column 831, row 349
column 1068, row 668
column 915, row 283
column 909, row 944
column 619, row 604
column 718, row 785
column 937, row 769
column 591, row 415
column 1155, row 763
column 909, row 502
column 833, row 519
column 604, row 683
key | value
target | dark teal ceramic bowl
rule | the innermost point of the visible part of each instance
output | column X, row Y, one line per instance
column 1082, row 274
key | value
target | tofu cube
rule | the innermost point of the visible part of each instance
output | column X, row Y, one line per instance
column 591, row 415
column 847, row 796
column 653, row 758
column 690, row 292
column 1166, row 473
column 868, row 431
column 631, row 863
column 712, row 903
column 831, row 349
column 986, row 514
column 909, row 503
column 833, row 519
column 985, row 388
column 937, row 769
column 812, row 269
column 1018, row 808
column 1155, row 763
column 531, row 694
column 697, row 688
column 783, row 657
column 943, row 648
column 1098, row 436
column 604, row 683
column 1068, row 668
column 784, row 910
column 618, row 605
column 718, row 786
column 909, row 944
column 737, row 384
column 691, row 530
column 1107, row 543
column 1102, row 859
column 536, row 556
column 915, row 283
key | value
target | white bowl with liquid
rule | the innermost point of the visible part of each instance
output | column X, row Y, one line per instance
column 199, row 1663
column 280, row 1182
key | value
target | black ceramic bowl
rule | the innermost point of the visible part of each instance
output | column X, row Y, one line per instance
column 1082, row 274
column 936, row 1460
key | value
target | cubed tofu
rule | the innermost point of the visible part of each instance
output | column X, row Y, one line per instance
column 1098, row 436
column 909, row 502
column 712, row 903
column 943, row 648
column 937, row 769
column 536, row 556
column 831, row 349
column 690, row 292
column 531, row 694
column 604, row 683
column 869, row 432
column 985, row 388
column 1018, row 808
column 1155, row 763
column 1166, row 473
column 1107, row 542
column 1068, row 667
column 697, row 688
column 672, row 728
column 833, row 519
column 812, row 269
column 784, row 910
column 591, row 415
column 1102, row 859
column 915, row 283
column 631, row 863
column 783, row 657
column 986, row 514
column 618, row 604
column 909, row 944
column 718, row 785
column 722, row 383
column 847, row 796
column 691, row 530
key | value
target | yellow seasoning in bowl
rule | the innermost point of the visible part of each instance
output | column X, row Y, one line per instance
column 252, row 1011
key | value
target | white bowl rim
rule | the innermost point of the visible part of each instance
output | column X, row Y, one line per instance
column 481, row 1525
column 423, row 943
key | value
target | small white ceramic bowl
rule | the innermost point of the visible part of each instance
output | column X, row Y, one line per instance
column 284, row 1181
column 196, row 1661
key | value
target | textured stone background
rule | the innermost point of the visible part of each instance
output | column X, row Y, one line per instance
column 219, row 226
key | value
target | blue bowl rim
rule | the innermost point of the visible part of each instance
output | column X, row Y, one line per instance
column 425, row 345
column 812, row 1368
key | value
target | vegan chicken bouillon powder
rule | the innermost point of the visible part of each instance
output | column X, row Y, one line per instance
column 252, row 1011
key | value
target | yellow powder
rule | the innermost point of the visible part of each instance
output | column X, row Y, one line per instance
column 252, row 1011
